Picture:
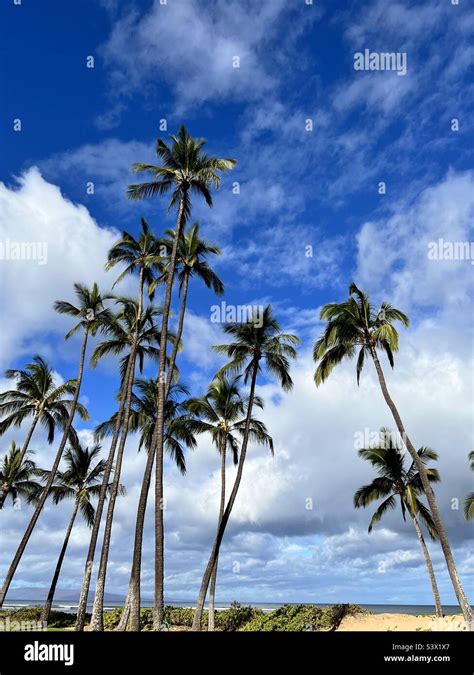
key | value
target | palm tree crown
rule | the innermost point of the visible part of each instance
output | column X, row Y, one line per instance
column 394, row 480
column 37, row 393
column 258, row 339
column 136, row 254
column 355, row 325
column 143, row 413
column 185, row 168
column 16, row 474
column 90, row 311
column 191, row 259
column 222, row 414
column 80, row 480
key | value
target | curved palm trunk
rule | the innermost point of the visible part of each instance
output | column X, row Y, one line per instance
column 51, row 477
column 86, row 580
column 97, row 621
column 158, row 433
column 225, row 518
column 6, row 488
column 49, row 600
column 212, row 589
column 131, row 610
column 429, row 565
column 443, row 539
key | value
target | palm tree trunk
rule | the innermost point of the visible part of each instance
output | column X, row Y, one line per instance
column 131, row 610
column 97, row 620
column 215, row 551
column 443, row 539
column 158, row 433
column 86, row 580
column 179, row 333
column 133, row 596
column 429, row 565
column 49, row 601
column 51, row 477
column 212, row 589
column 6, row 489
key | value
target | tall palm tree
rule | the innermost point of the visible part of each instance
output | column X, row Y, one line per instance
column 16, row 474
column 177, row 435
column 355, row 325
column 138, row 255
column 36, row 396
column 185, row 168
column 91, row 315
column 469, row 502
column 81, row 481
column 259, row 339
column 395, row 481
column 190, row 262
column 140, row 336
column 221, row 413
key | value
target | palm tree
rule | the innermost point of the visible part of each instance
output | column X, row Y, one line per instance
column 190, row 262
column 221, row 414
column 259, row 339
column 185, row 169
column 394, row 481
column 140, row 337
column 356, row 325
column 37, row 396
column 469, row 501
column 81, row 481
column 177, row 434
column 91, row 316
column 137, row 255
column 16, row 473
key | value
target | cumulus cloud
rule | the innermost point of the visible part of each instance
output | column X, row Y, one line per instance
column 35, row 211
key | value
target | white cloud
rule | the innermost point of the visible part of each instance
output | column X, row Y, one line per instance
column 36, row 211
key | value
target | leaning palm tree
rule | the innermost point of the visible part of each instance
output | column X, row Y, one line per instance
column 91, row 315
column 185, row 168
column 36, row 396
column 138, row 255
column 16, row 475
column 178, row 434
column 469, row 501
column 355, row 325
column 140, row 337
column 80, row 481
column 221, row 414
column 395, row 481
column 258, row 339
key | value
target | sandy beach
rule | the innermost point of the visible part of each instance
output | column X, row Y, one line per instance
column 401, row 622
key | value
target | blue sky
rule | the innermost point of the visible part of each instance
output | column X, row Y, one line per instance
column 298, row 188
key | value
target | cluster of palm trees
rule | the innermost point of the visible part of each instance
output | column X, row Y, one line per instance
column 161, row 411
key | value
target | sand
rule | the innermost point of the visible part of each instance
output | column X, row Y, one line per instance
column 401, row 622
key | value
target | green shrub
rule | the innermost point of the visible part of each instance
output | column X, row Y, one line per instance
column 299, row 618
column 236, row 616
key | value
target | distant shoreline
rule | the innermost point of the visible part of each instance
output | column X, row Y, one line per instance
column 414, row 610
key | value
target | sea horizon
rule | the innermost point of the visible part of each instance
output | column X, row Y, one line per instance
column 416, row 609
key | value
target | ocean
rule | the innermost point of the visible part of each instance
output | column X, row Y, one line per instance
column 265, row 606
